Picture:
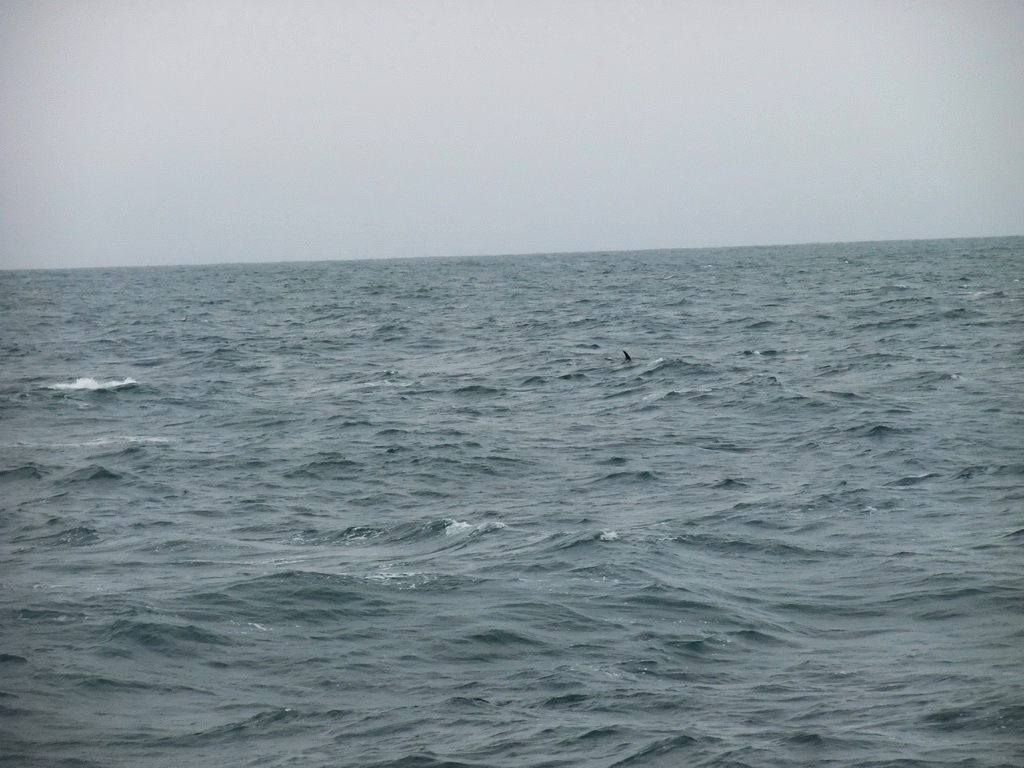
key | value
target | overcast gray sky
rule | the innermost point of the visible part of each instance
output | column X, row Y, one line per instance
column 173, row 132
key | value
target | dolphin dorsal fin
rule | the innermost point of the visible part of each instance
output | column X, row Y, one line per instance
column 627, row 355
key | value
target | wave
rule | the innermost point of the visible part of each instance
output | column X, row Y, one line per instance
column 676, row 366
column 329, row 466
column 459, row 527
column 161, row 637
column 909, row 480
column 93, row 385
column 79, row 536
column 91, row 473
column 25, row 472
column 638, row 476
column 402, row 533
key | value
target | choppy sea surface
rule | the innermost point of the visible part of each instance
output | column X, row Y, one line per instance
column 425, row 513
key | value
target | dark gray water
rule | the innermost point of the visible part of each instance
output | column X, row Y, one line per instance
column 424, row 513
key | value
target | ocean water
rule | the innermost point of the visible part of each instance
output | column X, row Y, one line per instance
column 425, row 513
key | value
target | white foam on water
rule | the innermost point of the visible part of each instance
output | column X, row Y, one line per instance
column 456, row 527
column 92, row 384
column 115, row 439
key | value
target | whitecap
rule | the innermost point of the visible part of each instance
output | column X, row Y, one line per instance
column 115, row 439
column 455, row 527
column 92, row 384
column 99, row 442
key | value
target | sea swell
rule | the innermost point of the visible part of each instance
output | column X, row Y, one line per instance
column 426, row 513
